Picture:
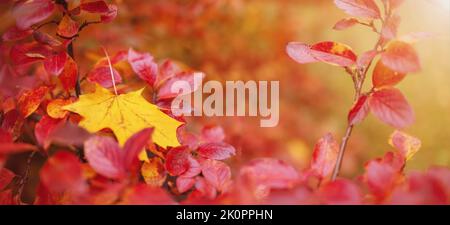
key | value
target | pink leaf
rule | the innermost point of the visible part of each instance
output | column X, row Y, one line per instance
column 135, row 145
column 105, row 156
column 29, row 12
column 391, row 107
column 184, row 184
column 217, row 173
column 177, row 160
column 213, row 134
column 165, row 90
column 102, row 76
column 341, row 192
column 217, row 151
column 345, row 23
column 95, row 7
column 361, row 8
column 44, row 128
column 300, row 53
column 143, row 65
column 401, row 57
column 324, row 156
column 265, row 174
column 110, row 15
column 55, row 64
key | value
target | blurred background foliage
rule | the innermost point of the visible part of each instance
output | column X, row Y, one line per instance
column 246, row 39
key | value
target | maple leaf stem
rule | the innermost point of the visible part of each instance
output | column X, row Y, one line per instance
column 110, row 70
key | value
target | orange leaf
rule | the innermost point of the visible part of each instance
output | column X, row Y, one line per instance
column 54, row 108
column 67, row 27
column 29, row 101
column 384, row 76
column 401, row 57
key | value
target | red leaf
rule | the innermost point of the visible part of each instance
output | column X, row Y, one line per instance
column 135, row 145
column 143, row 65
column 177, row 160
column 384, row 76
column 184, row 184
column 6, row 176
column 102, row 76
column 95, row 7
column 391, row 107
column 167, row 69
column 110, row 15
column 205, row 188
column 44, row 128
column 67, row 27
column 29, row 12
column 345, row 23
column 165, row 89
column 55, row 64
column 213, row 134
column 143, row 194
column 29, row 53
column 329, row 52
column 217, row 151
column 217, row 173
column 359, row 111
column 334, row 53
column 383, row 174
column 62, row 172
column 324, row 156
column 265, row 174
column 194, row 168
column 407, row 145
column 361, row 8
column 68, row 134
column 12, row 148
column 105, row 157
column 401, row 57
column 45, row 38
column 29, row 101
column 389, row 30
column 68, row 76
column 300, row 52
column 15, row 34
column 424, row 189
column 341, row 192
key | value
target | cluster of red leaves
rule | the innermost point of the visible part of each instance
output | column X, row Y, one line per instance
column 83, row 168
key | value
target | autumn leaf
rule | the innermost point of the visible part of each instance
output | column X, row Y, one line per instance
column 330, row 52
column 217, row 151
column 345, row 23
column 95, row 7
column 390, row 106
column 67, row 27
column 406, row 144
column 341, row 192
column 29, row 12
column 362, row 8
column 143, row 65
column 124, row 114
column 29, row 101
column 55, row 64
column 110, row 15
column 384, row 76
column 359, row 111
column 401, row 57
column 324, row 156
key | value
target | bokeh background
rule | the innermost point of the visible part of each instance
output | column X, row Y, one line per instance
column 246, row 39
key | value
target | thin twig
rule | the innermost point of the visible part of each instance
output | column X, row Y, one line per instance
column 359, row 77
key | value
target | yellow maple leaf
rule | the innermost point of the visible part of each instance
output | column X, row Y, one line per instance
column 124, row 114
